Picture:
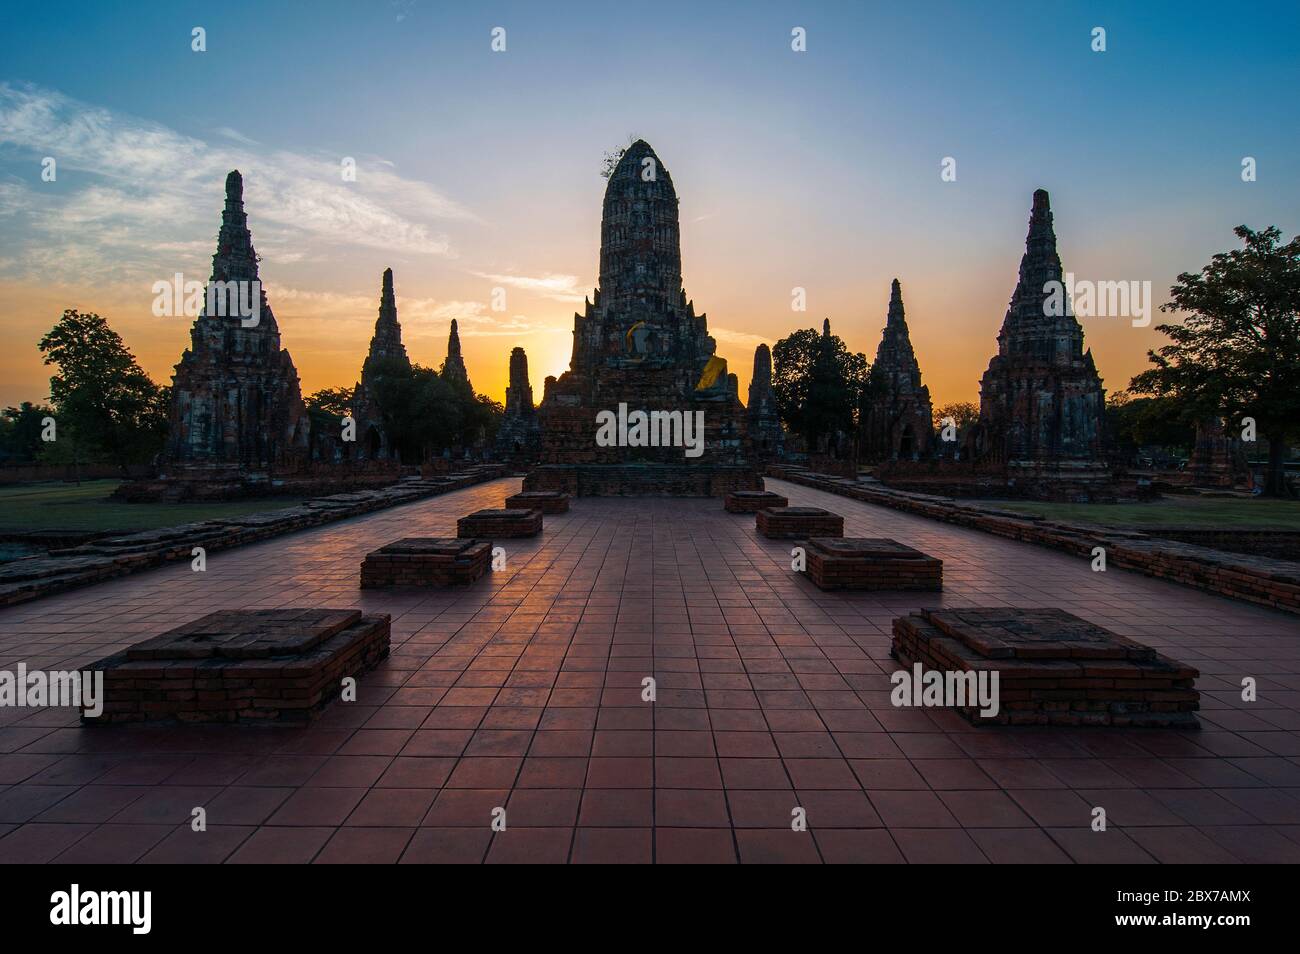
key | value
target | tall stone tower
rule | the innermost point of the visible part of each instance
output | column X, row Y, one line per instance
column 386, row 352
column 235, row 395
column 519, row 437
column 896, row 419
column 766, row 435
column 453, row 369
column 639, row 344
column 1042, row 405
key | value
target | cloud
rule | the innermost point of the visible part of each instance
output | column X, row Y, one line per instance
column 737, row 337
column 128, row 188
column 555, row 287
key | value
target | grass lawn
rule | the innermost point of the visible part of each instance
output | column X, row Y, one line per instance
column 60, row 506
column 1169, row 512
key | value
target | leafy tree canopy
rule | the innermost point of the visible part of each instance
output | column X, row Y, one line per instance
column 1237, row 352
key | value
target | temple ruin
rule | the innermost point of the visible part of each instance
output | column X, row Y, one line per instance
column 235, row 396
column 386, row 351
column 896, row 418
column 1042, row 405
column 519, row 437
column 640, row 348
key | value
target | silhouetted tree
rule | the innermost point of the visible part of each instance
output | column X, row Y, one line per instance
column 1237, row 353
column 20, row 432
column 103, row 400
column 818, row 384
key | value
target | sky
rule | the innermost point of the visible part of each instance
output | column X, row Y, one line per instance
column 479, row 169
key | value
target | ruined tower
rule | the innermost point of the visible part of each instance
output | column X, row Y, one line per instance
column 236, row 401
column 386, row 353
column 519, row 437
column 766, row 435
column 896, row 420
column 1042, row 405
column 639, row 344
column 453, row 369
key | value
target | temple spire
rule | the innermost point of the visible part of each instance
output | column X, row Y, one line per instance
column 453, row 369
column 386, row 343
column 896, row 315
column 640, row 244
column 235, row 259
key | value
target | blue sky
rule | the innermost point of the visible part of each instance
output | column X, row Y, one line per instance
column 480, row 170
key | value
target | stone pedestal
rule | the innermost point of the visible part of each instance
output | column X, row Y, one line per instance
column 547, row 501
column 752, row 501
column 1053, row 668
column 642, row 480
column 242, row 666
column 426, row 561
column 798, row 523
column 860, row 563
column 493, row 524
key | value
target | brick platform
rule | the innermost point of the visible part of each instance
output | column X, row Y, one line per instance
column 1054, row 668
column 491, row 524
column 242, row 666
column 643, row 479
column 870, row 563
column 426, row 561
column 752, row 501
column 547, row 501
column 788, row 523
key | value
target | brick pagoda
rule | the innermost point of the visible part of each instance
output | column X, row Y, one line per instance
column 519, row 437
column 1042, row 405
column 386, row 351
column 766, row 435
column 236, row 404
column 896, row 414
column 639, row 343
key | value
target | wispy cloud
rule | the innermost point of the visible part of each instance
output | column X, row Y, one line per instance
column 127, row 188
column 556, row 287
column 743, row 338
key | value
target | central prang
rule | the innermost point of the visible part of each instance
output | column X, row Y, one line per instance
column 639, row 344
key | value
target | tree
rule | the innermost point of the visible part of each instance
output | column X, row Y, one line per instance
column 1139, row 422
column 963, row 414
column 818, row 384
column 20, row 432
column 104, row 401
column 1237, row 353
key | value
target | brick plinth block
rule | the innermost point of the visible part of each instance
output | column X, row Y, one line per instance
column 789, row 523
column 513, row 522
column 547, row 501
column 862, row 563
column 282, row 665
column 752, row 501
column 1053, row 668
column 426, row 561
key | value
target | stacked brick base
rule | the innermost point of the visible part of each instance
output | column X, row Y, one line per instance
column 798, row 523
column 547, row 501
column 859, row 563
column 643, row 480
column 752, row 501
column 426, row 561
column 1053, row 668
column 242, row 666
column 500, row 523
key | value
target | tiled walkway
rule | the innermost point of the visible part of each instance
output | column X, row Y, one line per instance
column 524, row 692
